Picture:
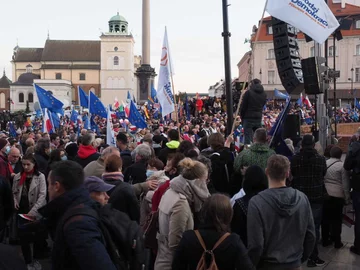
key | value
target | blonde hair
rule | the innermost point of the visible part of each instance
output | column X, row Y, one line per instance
column 192, row 169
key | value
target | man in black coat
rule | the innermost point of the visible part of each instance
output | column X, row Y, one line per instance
column 171, row 146
column 136, row 173
column 125, row 153
column 78, row 241
column 253, row 103
column 352, row 163
column 42, row 152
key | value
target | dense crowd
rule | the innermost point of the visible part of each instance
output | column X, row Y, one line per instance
column 171, row 196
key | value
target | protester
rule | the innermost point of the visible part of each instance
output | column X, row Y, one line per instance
column 180, row 202
column 42, row 153
column 254, row 182
column 86, row 152
column 171, row 146
column 29, row 190
column 308, row 169
column 136, row 173
column 352, row 163
column 98, row 189
column 253, row 102
column 97, row 167
column 338, row 188
column 78, row 244
column 213, row 234
column 125, row 153
column 257, row 154
column 280, row 226
column 4, row 163
column 14, row 159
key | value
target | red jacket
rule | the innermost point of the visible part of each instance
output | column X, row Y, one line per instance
column 199, row 104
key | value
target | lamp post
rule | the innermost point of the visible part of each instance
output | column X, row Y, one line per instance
column 228, row 89
column 352, row 81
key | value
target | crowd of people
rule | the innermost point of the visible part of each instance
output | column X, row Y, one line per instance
column 161, row 199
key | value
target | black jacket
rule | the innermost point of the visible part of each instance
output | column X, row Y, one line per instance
column 164, row 153
column 10, row 258
column 123, row 198
column 126, row 159
column 136, row 173
column 42, row 162
column 308, row 169
column 239, row 220
column 231, row 254
column 253, row 103
column 79, row 244
column 85, row 161
column 352, row 162
column 6, row 202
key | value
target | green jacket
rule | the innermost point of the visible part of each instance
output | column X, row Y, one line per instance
column 257, row 154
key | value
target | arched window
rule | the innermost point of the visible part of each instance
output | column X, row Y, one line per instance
column 92, row 89
column 116, row 61
column 117, row 28
column 123, row 28
column 21, row 97
column 31, row 98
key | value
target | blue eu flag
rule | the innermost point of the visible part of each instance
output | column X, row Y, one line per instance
column 95, row 106
column 94, row 126
column 47, row 100
column 135, row 117
column 55, row 120
column 74, row 116
column 153, row 94
column 83, row 98
column 12, row 130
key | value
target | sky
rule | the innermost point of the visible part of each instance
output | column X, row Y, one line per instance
column 194, row 31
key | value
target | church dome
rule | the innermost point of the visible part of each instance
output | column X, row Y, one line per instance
column 27, row 78
column 117, row 18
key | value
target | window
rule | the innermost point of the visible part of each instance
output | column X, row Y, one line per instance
column 357, row 50
column 312, row 51
column 269, row 30
column 271, row 54
column 116, row 49
column 331, row 51
column 82, row 77
column 58, row 76
column 2, row 100
column 116, row 61
column 357, row 24
column 271, row 77
column 29, row 68
column 31, row 98
column 21, row 97
column 357, row 74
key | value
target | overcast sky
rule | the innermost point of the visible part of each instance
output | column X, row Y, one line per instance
column 194, row 30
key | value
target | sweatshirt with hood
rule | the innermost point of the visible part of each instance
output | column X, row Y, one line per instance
column 281, row 231
column 253, row 103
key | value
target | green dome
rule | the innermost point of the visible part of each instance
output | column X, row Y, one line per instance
column 117, row 18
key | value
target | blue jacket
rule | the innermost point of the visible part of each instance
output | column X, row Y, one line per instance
column 79, row 244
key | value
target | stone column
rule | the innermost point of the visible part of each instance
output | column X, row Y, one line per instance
column 145, row 72
column 146, row 32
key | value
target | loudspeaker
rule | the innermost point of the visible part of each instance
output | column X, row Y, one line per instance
column 291, row 128
column 287, row 56
column 314, row 71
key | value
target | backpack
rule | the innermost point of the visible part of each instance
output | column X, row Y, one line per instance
column 202, row 262
column 222, row 170
column 150, row 229
column 123, row 237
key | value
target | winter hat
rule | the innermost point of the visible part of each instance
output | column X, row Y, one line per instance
column 3, row 143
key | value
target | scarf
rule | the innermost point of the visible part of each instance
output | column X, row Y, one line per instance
column 11, row 169
column 24, row 175
column 195, row 191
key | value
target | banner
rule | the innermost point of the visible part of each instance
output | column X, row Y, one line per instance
column 165, row 88
column 312, row 17
column 110, row 136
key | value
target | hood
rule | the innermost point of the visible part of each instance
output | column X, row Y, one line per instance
column 257, row 88
column 173, row 144
column 285, row 201
column 259, row 147
column 86, row 151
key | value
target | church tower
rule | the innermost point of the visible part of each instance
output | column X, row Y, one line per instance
column 117, row 61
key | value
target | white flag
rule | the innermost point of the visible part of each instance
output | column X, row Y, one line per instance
column 110, row 136
column 312, row 17
column 165, row 88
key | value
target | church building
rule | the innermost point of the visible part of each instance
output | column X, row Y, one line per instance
column 106, row 67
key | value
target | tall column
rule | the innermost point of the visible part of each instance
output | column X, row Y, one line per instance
column 146, row 32
column 145, row 72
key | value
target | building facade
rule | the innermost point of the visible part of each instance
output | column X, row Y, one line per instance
column 5, row 92
column 105, row 67
column 346, row 53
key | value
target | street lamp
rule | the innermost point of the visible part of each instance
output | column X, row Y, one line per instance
column 352, row 81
